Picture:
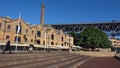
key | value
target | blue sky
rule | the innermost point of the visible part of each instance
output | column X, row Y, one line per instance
column 62, row 11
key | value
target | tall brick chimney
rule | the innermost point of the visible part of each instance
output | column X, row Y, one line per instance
column 42, row 14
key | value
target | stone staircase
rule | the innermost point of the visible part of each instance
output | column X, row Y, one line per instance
column 42, row 60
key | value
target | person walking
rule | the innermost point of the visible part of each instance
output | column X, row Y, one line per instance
column 7, row 46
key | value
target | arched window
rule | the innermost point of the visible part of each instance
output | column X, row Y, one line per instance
column 43, row 42
column 62, row 44
column 25, row 38
column 38, row 33
column 38, row 41
column 26, row 30
column 8, row 27
column 19, row 30
column 32, row 31
column 55, row 43
column 52, row 37
column 62, row 39
column 18, row 39
column 31, row 40
column 52, row 43
column 7, row 36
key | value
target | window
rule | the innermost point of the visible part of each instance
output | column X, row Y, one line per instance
column 31, row 40
column 32, row 31
column 7, row 37
column 43, row 42
column 18, row 39
column 38, row 33
column 55, row 43
column 18, row 31
column 52, row 43
column 62, row 44
column 8, row 27
column 114, row 41
column 26, row 30
column 52, row 37
column 38, row 41
column 62, row 38
column 25, row 38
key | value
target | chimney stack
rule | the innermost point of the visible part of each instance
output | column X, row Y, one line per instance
column 42, row 14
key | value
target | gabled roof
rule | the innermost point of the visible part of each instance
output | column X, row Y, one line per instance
column 36, row 26
column 6, row 18
column 11, row 20
column 49, row 28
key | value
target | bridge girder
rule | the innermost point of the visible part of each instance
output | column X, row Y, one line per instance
column 111, row 29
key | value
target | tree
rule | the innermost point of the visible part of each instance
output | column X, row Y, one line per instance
column 76, row 38
column 93, row 38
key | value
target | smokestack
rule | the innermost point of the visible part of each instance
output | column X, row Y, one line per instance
column 42, row 14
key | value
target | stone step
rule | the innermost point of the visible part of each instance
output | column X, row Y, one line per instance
column 26, row 61
column 59, row 62
column 25, row 54
column 75, row 63
column 41, row 60
column 63, row 64
column 14, row 58
column 45, row 63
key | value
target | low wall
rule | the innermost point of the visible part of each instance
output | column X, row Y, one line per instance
column 26, row 48
column 101, row 53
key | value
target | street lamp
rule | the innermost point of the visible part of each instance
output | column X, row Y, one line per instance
column 48, row 43
column 45, row 37
column 69, row 40
column 69, row 43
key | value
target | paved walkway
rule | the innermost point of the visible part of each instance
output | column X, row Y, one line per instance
column 101, row 62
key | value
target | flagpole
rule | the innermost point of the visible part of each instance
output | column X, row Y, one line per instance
column 16, row 43
column 45, row 41
column 18, row 29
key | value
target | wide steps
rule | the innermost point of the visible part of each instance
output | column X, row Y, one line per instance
column 41, row 60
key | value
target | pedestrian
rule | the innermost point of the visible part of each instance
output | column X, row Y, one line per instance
column 7, row 46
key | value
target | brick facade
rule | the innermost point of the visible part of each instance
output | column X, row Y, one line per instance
column 115, row 42
column 38, row 35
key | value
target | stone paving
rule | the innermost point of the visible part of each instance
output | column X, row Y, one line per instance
column 101, row 62
column 58, row 60
column 42, row 60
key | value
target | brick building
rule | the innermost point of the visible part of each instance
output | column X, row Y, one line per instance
column 115, row 42
column 37, row 35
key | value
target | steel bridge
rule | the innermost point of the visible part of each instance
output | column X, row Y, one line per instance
column 111, row 28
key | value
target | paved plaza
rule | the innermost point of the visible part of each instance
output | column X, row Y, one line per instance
column 55, row 60
column 42, row 60
column 101, row 62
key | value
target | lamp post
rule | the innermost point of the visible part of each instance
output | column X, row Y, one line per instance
column 69, row 40
column 69, row 43
column 45, row 36
column 48, row 43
